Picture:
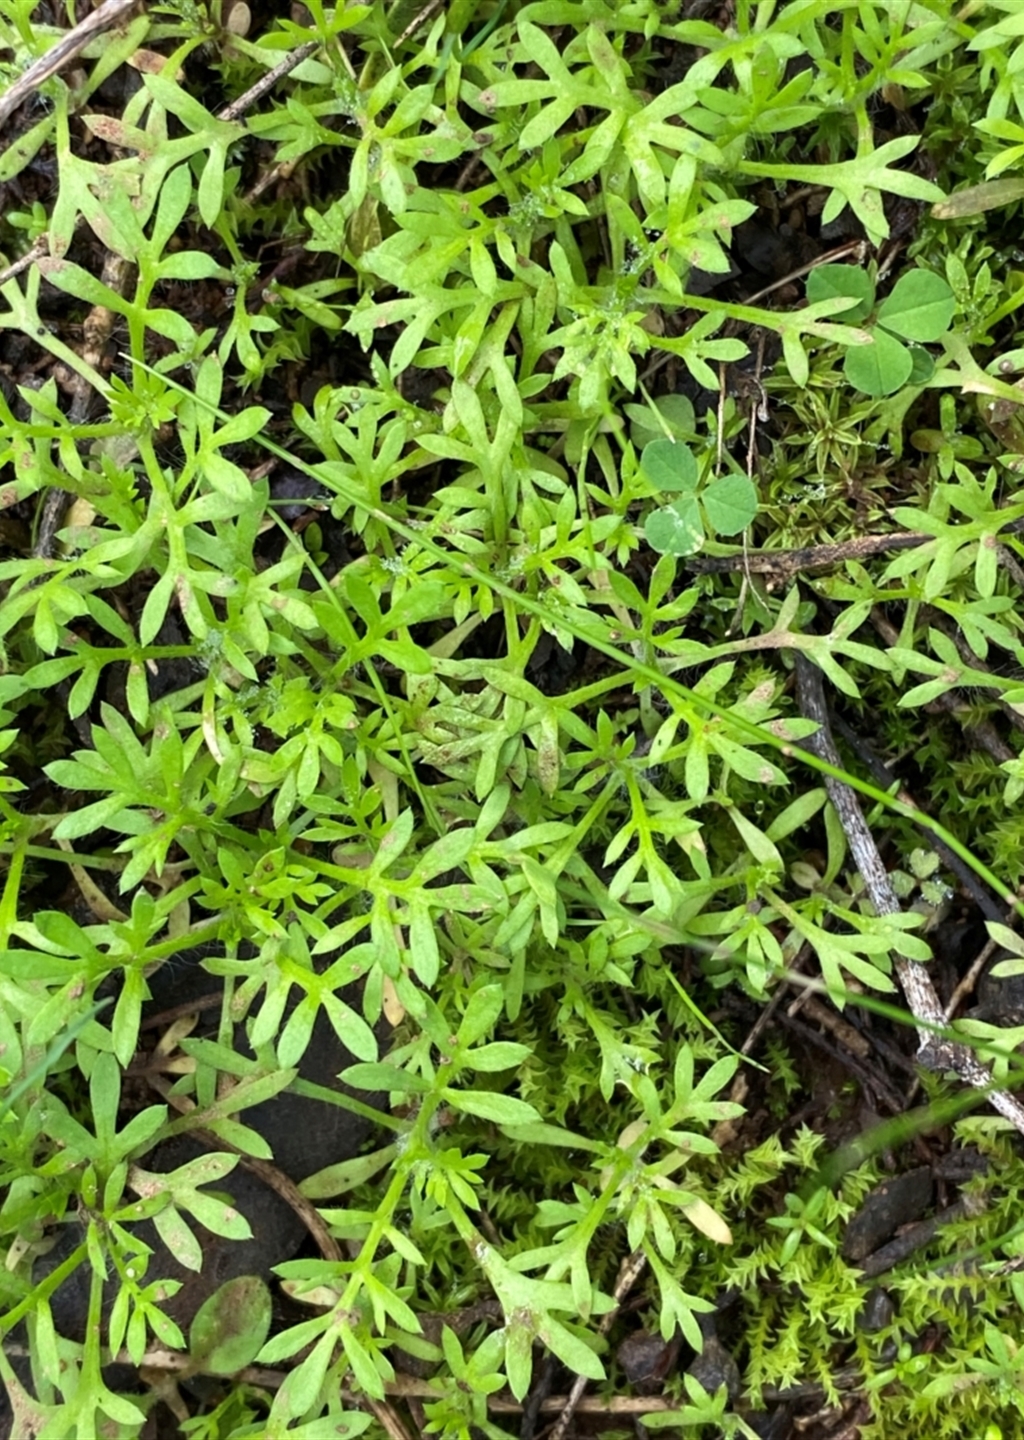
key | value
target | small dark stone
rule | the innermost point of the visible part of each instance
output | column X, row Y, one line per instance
column 277, row 1232
column 647, row 1360
column 1000, row 998
column 305, row 1135
column 961, row 1165
column 715, row 1367
column 292, row 493
column 899, row 1201
column 878, row 1310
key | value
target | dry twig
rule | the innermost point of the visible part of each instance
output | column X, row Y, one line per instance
column 629, row 1272
column 934, row 1052
column 269, row 1174
column 783, row 564
column 96, row 330
column 38, row 250
column 267, row 82
column 981, row 733
column 110, row 13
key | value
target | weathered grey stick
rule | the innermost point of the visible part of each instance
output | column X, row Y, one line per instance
column 934, row 1052
column 61, row 54
column 267, row 82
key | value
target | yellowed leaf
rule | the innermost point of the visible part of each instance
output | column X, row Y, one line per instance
column 150, row 63
column 394, row 1010
column 708, row 1222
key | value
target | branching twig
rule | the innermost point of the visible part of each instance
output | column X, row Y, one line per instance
column 61, row 54
column 409, row 1385
column 933, row 1052
column 96, row 330
column 386, row 1417
column 783, row 564
column 271, row 1176
column 885, row 779
column 38, row 250
column 629, row 1272
column 267, row 82
column 418, row 20
column 970, row 979
column 981, row 732
column 966, row 986
column 1011, row 565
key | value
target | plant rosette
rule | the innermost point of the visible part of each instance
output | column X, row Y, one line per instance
column 723, row 507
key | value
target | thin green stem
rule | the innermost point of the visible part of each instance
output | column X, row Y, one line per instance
column 649, row 673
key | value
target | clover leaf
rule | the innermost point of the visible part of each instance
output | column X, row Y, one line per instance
column 834, row 282
column 231, row 1326
column 918, row 309
column 669, row 465
column 669, row 415
column 676, row 529
column 881, row 368
column 724, row 507
column 730, row 504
